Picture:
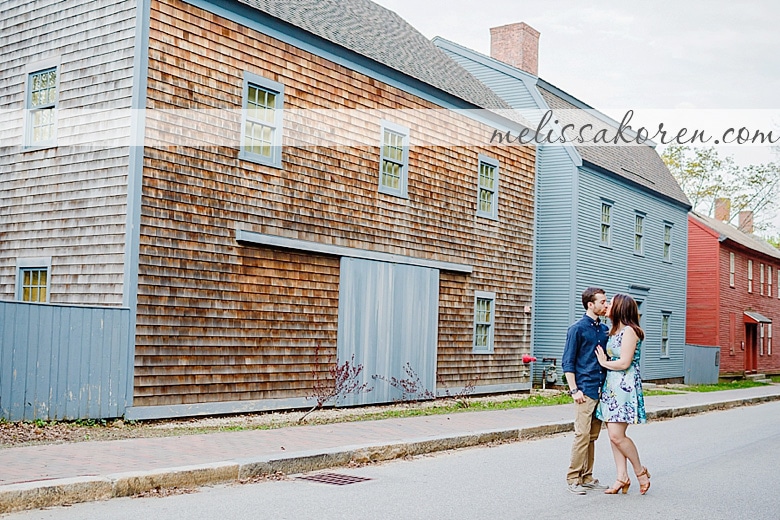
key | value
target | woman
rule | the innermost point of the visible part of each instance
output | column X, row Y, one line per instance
column 622, row 402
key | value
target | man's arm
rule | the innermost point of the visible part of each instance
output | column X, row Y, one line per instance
column 568, row 363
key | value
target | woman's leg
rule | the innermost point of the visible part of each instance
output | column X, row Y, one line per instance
column 620, row 461
column 626, row 447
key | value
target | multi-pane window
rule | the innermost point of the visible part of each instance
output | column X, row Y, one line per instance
column 668, row 242
column 750, row 276
column 42, row 106
column 732, row 268
column 394, row 160
column 487, row 200
column 760, row 339
column 484, row 322
column 639, row 234
column 665, row 318
column 769, row 281
column 33, row 284
column 606, row 224
column 768, row 339
column 761, row 280
column 262, row 120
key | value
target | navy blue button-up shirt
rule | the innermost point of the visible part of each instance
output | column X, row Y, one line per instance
column 579, row 354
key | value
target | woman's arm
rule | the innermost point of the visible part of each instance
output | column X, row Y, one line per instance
column 627, row 349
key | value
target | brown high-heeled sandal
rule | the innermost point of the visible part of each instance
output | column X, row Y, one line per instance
column 643, row 488
column 622, row 485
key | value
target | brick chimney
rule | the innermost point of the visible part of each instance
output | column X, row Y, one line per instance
column 746, row 221
column 723, row 209
column 516, row 44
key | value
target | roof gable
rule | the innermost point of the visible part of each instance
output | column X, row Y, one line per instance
column 638, row 163
column 729, row 232
column 379, row 34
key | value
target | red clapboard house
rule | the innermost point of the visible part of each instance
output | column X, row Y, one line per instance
column 733, row 292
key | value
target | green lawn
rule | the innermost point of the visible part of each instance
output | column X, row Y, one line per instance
column 732, row 385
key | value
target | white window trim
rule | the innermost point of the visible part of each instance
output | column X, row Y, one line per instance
column 493, row 214
column 670, row 226
column 761, row 339
column 276, row 148
column 641, row 236
column 761, row 280
column 402, row 190
column 30, row 69
column 732, row 269
column 608, row 242
column 769, row 339
column 33, row 263
column 668, row 316
column 770, row 279
column 750, row 276
column 481, row 295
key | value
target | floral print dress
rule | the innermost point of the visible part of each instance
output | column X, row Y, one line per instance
column 622, row 399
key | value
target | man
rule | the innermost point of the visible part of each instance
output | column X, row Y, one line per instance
column 585, row 376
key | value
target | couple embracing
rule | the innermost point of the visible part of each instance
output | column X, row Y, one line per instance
column 601, row 366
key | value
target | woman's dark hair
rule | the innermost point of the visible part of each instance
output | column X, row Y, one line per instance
column 589, row 295
column 625, row 312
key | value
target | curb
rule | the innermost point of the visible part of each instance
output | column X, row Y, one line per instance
column 59, row 492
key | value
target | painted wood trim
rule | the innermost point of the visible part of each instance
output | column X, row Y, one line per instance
column 135, row 182
column 250, row 237
column 146, row 413
column 486, row 389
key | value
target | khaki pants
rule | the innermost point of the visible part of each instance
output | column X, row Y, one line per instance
column 586, row 431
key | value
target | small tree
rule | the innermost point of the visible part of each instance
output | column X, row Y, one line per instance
column 411, row 388
column 705, row 176
column 342, row 380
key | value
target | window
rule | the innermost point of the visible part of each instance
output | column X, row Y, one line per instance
column 750, row 276
column 42, row 106
column 732, row 333
column 665, row 318
column 769, row 281
column 484, row 322
column 487, row 200
column 394, row 160
column 667, row 242
column 760, row 339
column 768, row 339
column 761, row 280
column 606, row 224
column 261, row 139
column 639, row 224
column 33, row 279
column 732, row 267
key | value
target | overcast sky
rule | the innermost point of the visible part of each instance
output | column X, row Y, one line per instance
column 697, row 64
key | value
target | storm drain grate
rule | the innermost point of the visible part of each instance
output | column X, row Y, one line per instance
column 334, row 478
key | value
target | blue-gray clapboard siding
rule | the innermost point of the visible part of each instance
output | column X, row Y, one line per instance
column 660, row 285
column 555, row 253
column 388, row 318
column 64, row 362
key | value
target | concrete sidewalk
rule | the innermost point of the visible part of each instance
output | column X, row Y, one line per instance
column 39, row 476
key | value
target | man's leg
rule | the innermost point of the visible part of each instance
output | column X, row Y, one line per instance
column 583, row 425
column 595, row 429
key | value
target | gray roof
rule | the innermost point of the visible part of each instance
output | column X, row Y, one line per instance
column 381, row 35
column 637, row 163
column 729, row 232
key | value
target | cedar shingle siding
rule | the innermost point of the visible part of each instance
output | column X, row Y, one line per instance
column 224, row 321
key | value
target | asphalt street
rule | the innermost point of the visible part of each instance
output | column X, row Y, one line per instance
column 716, row 465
